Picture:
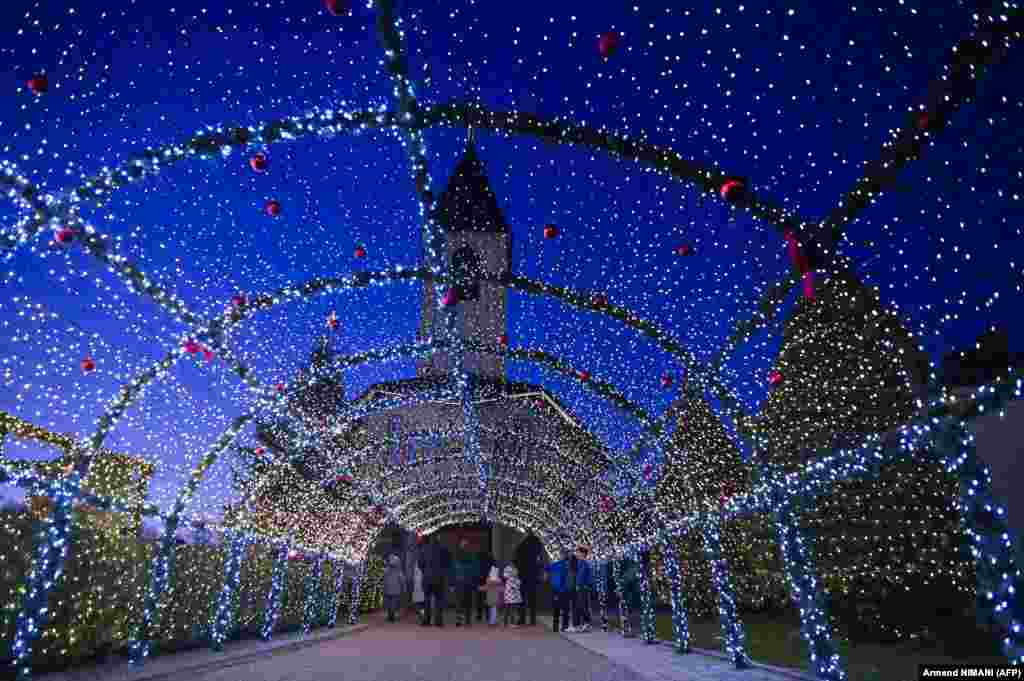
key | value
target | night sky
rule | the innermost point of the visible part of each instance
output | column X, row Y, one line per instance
column 795, row 97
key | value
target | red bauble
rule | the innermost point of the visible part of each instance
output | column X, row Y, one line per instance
column 539, row 404
column 260, row 451
column 273, row 206
column 207, row 355
column 280, row 387
column 808, row 282
column 666, row 381
column 922, row 120
column 337, row 7
column 584, row 376
column 258, row 162
column 607, row 44
column 503, row 340
column 359, row 252
column 239, row 300
column 38, row 84
column 450, row 298
column 64, row 235
column 774, row 377
column 684, row 250
column 648, row 469
column 732, row 189
column 550, row 231
column 88, row 365
column 332, row 322
column 192, row 347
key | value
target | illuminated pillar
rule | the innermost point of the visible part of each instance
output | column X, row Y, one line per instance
column 273, row 610
column 732, row 627
column 680, row 621
column 220, row 627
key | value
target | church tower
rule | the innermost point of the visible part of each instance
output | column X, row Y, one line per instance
column 479, row 243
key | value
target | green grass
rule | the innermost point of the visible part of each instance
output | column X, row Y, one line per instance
column 774, row 639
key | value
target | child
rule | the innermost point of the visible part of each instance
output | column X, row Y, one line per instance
column 394, row 585
column 494, row 587
column 513, row 594
column 418, row 597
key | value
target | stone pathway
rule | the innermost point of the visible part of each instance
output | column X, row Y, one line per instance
column 660, row 662
column 404, row 651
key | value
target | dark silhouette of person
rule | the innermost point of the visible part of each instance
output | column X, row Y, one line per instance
column 436, row 565
column 529, row 555
column 486, row 563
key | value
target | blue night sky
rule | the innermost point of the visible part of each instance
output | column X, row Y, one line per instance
column 796, row 97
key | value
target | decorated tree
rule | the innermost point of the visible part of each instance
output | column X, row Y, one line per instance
column 704, row 469
column 848, row 368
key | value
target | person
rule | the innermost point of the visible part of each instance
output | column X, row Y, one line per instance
column 436, row 563
column 394, row 586
column 630, row 577
column 418, row 597
column 493, row 589
column 467, row 571
column 560, row 592
column 486, row 563
column 584, row 582
column 513, row 596
column 528, row 562
column 584, row 553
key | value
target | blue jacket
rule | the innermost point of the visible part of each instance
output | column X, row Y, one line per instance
column 560, row 576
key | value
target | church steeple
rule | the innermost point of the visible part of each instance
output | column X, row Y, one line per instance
column 479, row 250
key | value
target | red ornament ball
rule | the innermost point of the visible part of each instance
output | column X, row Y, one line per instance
column 64, row 236
column 584, row 376
column 732, row 189
column 207, row 355
column 336, row 8
column 608, row 44
column 359, row 252
column 260, row 451
column 922, row 120
column 684, row 250
column 239, row 300
column 648, row 469
column 332, row 322
column 450, row 298
column 550, row 231
column 774, row 377
column 503, row 340
column 272, row 207
column 258, row 162
column 88, row 365
column 192, row 347
column 666, row 381
column 280, row 387
column 38, row 84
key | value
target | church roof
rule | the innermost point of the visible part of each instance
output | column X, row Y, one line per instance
column 469, row 204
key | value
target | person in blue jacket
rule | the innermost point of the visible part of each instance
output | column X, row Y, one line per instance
column 561, row 597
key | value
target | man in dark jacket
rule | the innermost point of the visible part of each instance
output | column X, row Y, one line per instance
column 486, row 563
column 467, row 582
column 528, row 561
column 436, row 564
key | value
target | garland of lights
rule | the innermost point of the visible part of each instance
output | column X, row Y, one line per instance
column 51, row 551
column 647, row 632
column 273, row 607
column 140, row 644
column 602, row 593
column 803, row 583
column 357, row 583
column 625, row 626
column 220, row 627
column 336, row 595
column 313, row 596
column 732, row 627
column 680, row 621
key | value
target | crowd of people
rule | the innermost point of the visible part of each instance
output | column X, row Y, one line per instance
column 473, row 581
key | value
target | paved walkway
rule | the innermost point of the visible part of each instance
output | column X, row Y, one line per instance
column 382, row 651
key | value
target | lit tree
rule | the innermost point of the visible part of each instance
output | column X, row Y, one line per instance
column 848, row 368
